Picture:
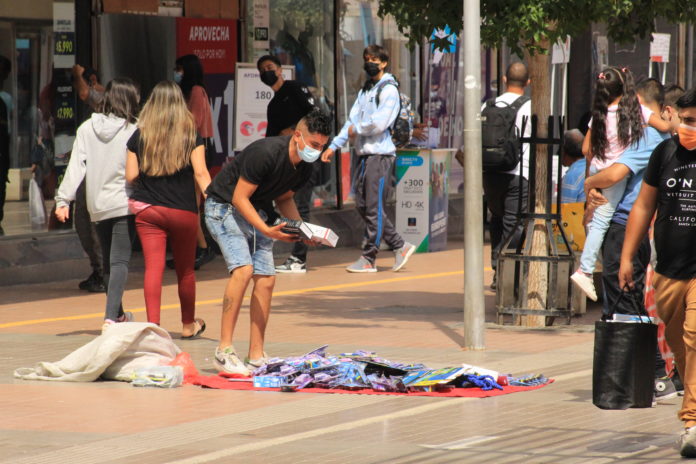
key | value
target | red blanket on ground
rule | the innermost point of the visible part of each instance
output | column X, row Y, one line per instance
column 223, row 383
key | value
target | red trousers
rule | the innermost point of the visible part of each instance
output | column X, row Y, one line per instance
column 155, row 225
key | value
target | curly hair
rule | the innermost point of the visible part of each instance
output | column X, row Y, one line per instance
column 317, row 122
column 613, row 83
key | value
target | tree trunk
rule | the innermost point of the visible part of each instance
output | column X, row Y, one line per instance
column 541, row 100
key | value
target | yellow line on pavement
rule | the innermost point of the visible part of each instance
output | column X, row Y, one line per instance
column 219, row 300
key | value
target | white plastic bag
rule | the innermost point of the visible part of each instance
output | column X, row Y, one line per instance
column 37, row 210
column 158, row 376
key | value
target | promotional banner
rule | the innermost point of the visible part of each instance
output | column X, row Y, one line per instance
column 214, row 41
column 440, row 165
column 262, row 22
column 252, row 97
column 64, row 96
column 442, row 112
column 422, row 178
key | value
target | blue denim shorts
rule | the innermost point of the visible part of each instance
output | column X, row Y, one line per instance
column 240, row 242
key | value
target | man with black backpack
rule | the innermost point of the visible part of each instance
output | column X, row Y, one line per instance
column 502, row 126
column 374, row 121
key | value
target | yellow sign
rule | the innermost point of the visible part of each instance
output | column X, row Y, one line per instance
column 571, row 219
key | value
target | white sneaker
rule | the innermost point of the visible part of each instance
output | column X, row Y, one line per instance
column 687, row 443
column 226, row 360
column 253, row 364
column 401, row 256
column 585, row 283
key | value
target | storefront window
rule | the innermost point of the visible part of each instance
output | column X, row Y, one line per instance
column 359, row 26
column 27, row 47
column 302, row 34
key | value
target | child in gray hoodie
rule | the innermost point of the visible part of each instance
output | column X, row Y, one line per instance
column 99, row 155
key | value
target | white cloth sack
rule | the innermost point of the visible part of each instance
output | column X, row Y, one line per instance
column 114, row 355
column 37, row 210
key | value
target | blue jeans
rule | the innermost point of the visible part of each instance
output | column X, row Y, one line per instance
column 599, row 225
column 240, row 242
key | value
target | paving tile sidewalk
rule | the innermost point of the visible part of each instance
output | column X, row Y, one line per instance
column 411, row 315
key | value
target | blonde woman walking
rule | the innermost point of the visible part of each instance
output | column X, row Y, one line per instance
column 166, row 167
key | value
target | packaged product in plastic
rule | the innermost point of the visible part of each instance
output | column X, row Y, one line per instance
column 158, row 376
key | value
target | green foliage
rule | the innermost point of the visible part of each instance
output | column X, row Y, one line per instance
column 528, row 24
column 302, row 13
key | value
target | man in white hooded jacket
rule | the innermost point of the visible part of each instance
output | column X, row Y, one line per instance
column 368, row 125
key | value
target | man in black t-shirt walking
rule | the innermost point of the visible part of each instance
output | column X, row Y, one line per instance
column 292, row 101
column 238, row 212
column 669, row 187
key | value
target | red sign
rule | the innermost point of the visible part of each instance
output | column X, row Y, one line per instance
column 214, row 41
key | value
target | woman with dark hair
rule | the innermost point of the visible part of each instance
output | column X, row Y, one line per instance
column 617, row 123
column 99, row 157
column 189, row 75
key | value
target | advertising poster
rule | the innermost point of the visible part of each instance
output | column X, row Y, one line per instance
column 441, row 110
column 412, row 197
column 440, row 164
column 64, row 100
column 252, row 97
column 262, row 21
column 214, row 41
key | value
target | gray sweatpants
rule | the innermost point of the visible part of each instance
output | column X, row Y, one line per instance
column 373, row 187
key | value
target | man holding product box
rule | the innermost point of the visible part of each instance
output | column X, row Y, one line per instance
column 239, row 216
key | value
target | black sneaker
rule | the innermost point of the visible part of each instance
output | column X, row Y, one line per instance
column 97, row 286
column 203, row 256
column 494, row 283
column 89, row 281
column 292, row 265
column 664, row 389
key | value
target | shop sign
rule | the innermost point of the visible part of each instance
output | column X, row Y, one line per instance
column 63, row 35
column 213, row 41
column 262, row 21
column 659, row 48
column 560, row 53
column 251, row 98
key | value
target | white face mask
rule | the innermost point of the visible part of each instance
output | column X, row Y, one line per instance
column 307, row 154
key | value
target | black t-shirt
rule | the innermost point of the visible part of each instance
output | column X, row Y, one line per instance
column 176, row 191
column 290, row 103
column 265, row 163
column 672, row 170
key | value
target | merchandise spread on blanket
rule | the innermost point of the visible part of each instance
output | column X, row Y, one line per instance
column 364, row 369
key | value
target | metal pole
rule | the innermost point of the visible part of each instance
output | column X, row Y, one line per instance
column 470, row 86
column 689, row 56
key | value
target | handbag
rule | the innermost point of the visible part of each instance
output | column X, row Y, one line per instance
column 623, row 371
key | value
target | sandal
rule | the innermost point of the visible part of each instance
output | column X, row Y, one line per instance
column 199, row 328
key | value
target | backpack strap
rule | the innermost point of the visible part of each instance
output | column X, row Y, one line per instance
column 517, row 104
column 381, row 86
